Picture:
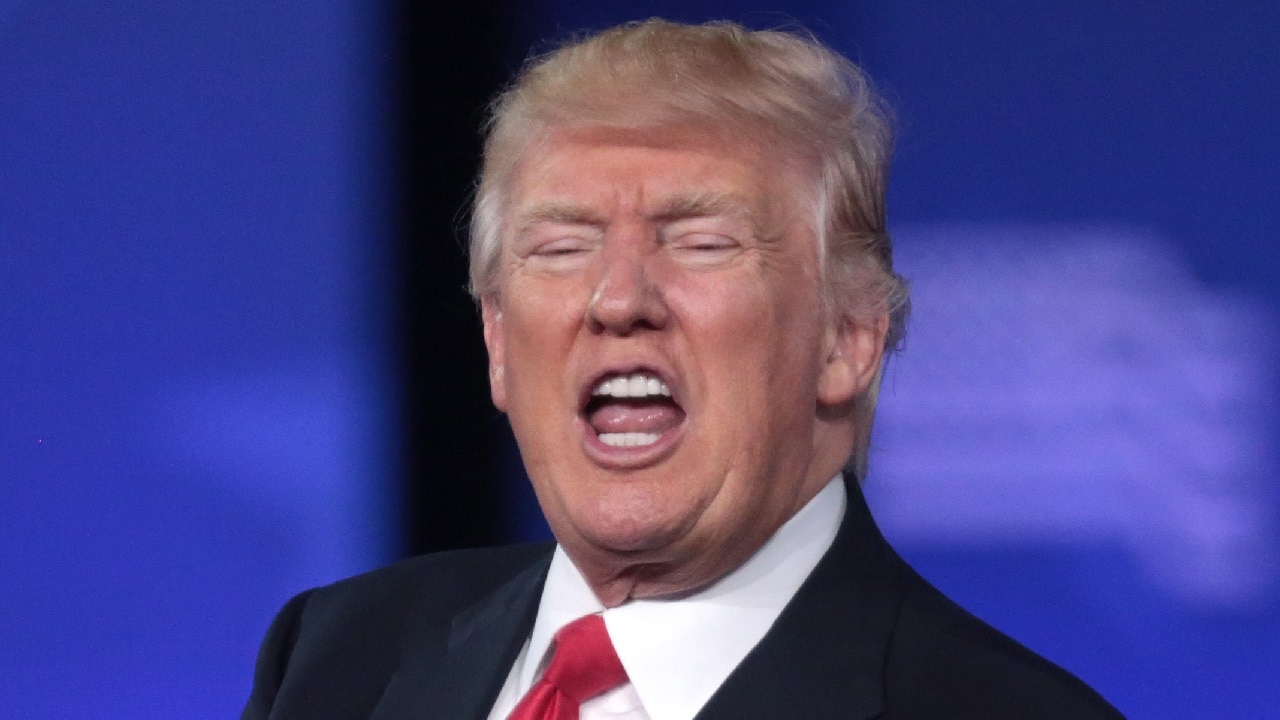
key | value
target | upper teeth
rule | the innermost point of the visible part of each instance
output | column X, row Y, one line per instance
column 637, row 385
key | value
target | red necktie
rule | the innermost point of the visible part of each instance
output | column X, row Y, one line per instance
column 583, row 665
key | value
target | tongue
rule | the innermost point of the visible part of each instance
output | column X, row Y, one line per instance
column 631, row 416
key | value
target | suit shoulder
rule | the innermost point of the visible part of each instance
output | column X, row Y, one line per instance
column 413, row 597
column 332, row 650
column 970, row 669
column 437, row 580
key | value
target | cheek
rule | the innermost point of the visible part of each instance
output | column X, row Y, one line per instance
column 760, row 345
column 737, row 341
column 541, row 326
column 756, row 323
column 541, row 331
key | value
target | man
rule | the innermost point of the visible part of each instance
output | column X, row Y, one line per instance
column 687, row 292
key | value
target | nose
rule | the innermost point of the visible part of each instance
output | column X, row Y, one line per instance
column 627, row 297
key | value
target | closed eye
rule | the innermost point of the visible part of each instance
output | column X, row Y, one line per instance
column 559, row 254
column 565, row 246
column 704, row 249
column 706, row 241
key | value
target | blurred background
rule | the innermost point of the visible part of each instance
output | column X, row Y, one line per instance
column 237, row 359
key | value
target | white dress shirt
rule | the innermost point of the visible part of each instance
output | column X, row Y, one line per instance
column 678, row 652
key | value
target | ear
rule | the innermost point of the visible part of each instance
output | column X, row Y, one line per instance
column 495, row 341
column 853, row 358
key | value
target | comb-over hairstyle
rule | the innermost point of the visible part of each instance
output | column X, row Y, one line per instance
column 782, row 90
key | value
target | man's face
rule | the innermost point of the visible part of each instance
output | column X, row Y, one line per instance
column 659, row 344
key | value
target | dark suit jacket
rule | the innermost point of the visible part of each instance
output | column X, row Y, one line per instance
column 865, row 637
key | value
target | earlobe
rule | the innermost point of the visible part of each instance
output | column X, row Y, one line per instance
column 495, row 343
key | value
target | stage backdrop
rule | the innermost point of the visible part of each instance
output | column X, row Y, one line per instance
column 194, row 368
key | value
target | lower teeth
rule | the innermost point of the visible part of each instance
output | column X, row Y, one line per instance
column 629, row 439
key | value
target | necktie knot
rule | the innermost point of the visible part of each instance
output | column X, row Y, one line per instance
column 583, row 665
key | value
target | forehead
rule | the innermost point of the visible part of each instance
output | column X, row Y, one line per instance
column 655, row 172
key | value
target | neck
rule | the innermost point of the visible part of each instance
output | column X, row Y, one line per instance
column 617, row 578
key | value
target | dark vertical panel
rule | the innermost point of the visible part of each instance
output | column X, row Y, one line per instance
column 449, row 69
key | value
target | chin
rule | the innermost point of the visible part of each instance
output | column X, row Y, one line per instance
column 633, row 522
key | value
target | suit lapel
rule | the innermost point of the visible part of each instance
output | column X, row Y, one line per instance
column 483, row 643
column 823, row 657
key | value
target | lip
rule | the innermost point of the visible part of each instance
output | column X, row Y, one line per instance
column 628, row 458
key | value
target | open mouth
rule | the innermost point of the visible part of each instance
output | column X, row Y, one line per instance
column 632, row 411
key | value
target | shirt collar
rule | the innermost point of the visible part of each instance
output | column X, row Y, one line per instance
column 678, row 652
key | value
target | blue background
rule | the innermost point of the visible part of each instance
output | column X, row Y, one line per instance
column 197, row 371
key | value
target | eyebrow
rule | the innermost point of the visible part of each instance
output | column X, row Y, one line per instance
column 679, row 206
column 559, row 212
column 707, row 204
